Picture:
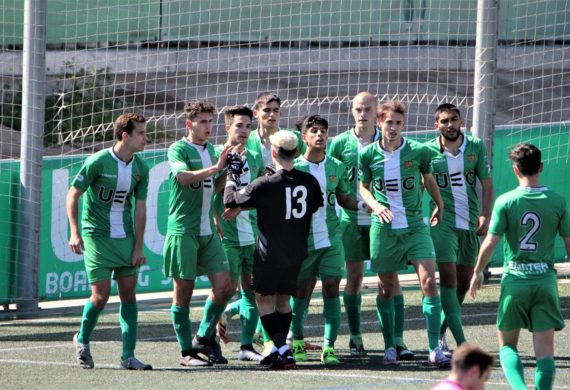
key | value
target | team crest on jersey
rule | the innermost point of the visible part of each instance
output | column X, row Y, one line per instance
column 332, row 178
column 408, row 164
column 471, row 157
column 137, row 178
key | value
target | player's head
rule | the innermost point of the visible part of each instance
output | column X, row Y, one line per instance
column 315, row 131
column 267, row 110
column 130, row 128
column 391, row 119
column 299, row 123
column 448, row 121
column 471, row 366
column 284, row 146
column 364, row 106
column 238, row 124
column 199, row 119
column 527, row 160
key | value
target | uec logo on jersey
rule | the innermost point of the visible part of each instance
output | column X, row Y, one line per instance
column 108, row 195
column 391, row 185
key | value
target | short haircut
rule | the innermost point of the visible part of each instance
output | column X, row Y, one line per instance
column 364, row 95
column 445, row 107
column 313, row 120
column 266, row 98
column 285, row 142
column 195, row 107
column 527, row 158
column 467, row 356
column 125, row 123
column 299, row 123
column 232, row 111
column 394, row 106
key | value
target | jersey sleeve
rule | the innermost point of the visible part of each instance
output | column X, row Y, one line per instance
column 300, row 144
column 176, row 160
column 141, row 189
column 498, row 224
column 425, row 159
column 342, row 177
column 482, row 169
column 334, row 150
column 564, row 226
column 246, row 197
column 364, row 172
column 87, row 174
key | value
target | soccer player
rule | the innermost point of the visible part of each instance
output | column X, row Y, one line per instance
column 470, row 369
column 355, row 225
column 529, row 217
column 392, row 170
column 267, row 111
column 191, row 247
column 239, row 232
column 112, row 246
column 326, row 254
column 458, row 160
column 285, row 202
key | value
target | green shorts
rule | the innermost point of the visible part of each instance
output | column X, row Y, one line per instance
column 454, row 245
column 107, row 257
column 328, row 263
column 531, row 304
column 240, row 259
column 187, row 256
column 390, row 250
column 356, row 241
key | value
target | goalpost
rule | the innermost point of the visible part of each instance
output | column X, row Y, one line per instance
column 151, row 56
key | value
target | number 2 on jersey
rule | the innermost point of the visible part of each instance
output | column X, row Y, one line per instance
column 526, row 243
column 298, row 196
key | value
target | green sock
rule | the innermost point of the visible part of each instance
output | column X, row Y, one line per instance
column 182, row 326
column 331, row 312
column 399, row 320
column 431, row 307
column 460, row 299
column 249, row 316
column 450, row 306
column 512, row 367
column 235, row 307
column 128, row 318
column 88, row 322
column 298, row 309
column 386, row 316
column 545, row 370
column 212, row 313
column 352, row 305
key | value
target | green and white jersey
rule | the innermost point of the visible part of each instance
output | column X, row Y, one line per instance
column 331, row 175
column 254, row 143
column 242, row 230
column 395, row 181
column 456, row 178
column 345, row 148
column 190, row 207
column 109, row 184
column 529, row 218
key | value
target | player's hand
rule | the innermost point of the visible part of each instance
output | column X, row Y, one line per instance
column 482, row 226
column 384, row 213
column 230, row 213
column 76, row 244
column 436, row 216
column 222, row 161
column 219, row 230
column 138, row 258
column 476, row 283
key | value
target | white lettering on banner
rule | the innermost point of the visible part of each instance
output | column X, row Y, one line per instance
column 59, row 235
column 67, row 281
column 143, row 279
column 153, row 239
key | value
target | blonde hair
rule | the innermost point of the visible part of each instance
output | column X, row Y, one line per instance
column 285, row 142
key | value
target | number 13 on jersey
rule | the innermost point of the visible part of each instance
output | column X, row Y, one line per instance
column 295, row 202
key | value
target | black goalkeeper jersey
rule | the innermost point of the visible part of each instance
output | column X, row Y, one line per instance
column 285, row 202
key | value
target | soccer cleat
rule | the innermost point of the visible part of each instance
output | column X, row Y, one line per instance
column 83, row 353
column 404, row 353
column 390, row 357
column 299, row 351
column 284, row 362
column 248, row 354
column 442, row 343
column 209, row 347
column 356, row 350
column 437, row 358
column 269, row 359
column 192, row 358
column 329, row 358
column 133, row 363
column 223, row 328
column 267, row 348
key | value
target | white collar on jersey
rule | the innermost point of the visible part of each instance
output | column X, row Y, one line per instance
column 114, row 155
column 461, row 147
column 303, row 158
column 377, row 135
column 398, row 149
column 533, row 189
column 203, row 147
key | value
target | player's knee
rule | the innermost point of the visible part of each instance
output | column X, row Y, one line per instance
column 354, row 279
column 330, row 288
column 429, row 286
column 223, row 291
column 99, row 300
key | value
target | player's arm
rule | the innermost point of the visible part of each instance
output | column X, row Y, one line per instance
column 433, row 191
column 220, row 181
column 383, row 212
column 138, row 257
column 487, row 248
column 487, row 203
column 72, row 206
column 348, row 202
column 186, row 178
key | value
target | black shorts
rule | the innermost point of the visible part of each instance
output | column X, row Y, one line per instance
column 267, row 279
